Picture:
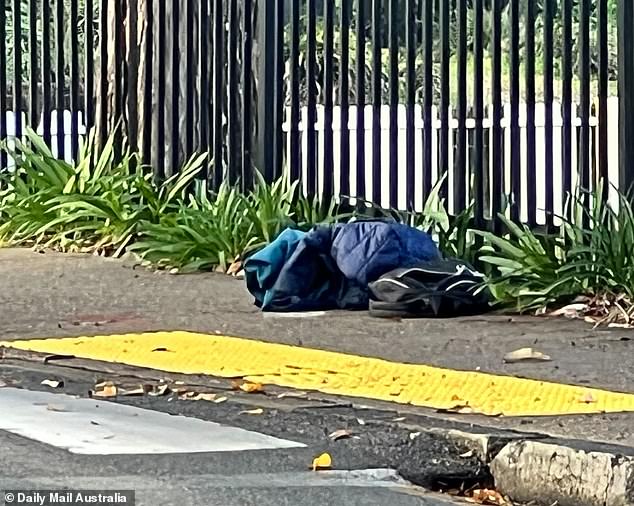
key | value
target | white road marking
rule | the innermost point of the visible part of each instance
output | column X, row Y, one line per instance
column 92, row 427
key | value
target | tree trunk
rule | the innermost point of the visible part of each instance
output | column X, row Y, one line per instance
column 132, row 74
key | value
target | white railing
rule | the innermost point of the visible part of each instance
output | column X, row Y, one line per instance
column 540, row 116
column 67, row 117
column 612, row 150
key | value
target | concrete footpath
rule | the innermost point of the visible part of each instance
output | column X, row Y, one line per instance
column 575, row 459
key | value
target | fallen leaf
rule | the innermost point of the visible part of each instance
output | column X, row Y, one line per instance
column 234, row 268
column 105, row 389
column 524, row 354
column 463, row 409
column 620, row 325
column 159, row 390
column 292, row 394
column 570, row 311
column 487, row 497
column 360, row 421
column 203, row 397
column 340, row 434
column 466, row 455
column 134, row 391
column 413, row 435
column 399, row 419
column 587, row 398
column 220, row 399
column 52, row 383
column 324, row 461
column 247, row 386
column 256, row 411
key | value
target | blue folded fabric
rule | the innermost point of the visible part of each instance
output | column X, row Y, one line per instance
column 330, row 266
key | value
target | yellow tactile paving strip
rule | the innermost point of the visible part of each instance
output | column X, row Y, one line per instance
column 336, row 373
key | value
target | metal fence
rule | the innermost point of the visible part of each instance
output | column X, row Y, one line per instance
column 510, row 103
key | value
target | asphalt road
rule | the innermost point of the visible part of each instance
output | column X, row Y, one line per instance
column 46, row 295
column 372, row 468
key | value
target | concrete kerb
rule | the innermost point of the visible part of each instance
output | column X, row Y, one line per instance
column 547, row 471
column 528, row 467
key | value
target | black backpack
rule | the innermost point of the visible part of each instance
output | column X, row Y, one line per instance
column 438, row 288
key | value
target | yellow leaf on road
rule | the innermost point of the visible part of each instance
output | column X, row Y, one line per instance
column 324, row 461
column 248, row 387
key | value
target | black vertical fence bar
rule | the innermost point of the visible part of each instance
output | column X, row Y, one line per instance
column 548, row 19
column 267, row 94
column 420, row 9
column 394, row 101
column 603, row 94
column 102, row 92
column 74, row 79
column 344, row 99
column 119, row 48
column 377, row 84
column 360, row 72
column 89, row 65
column 410, row 61
column 175, row 80
column 311, row 73
column 3, row 85
column 203, row 76
column 584, row 78
column 295, row 143
column 445, row 99
column 516, row 172
column 33, row 65
column 233, row 155
column 497, row 179
column 189, row 79
column 460, row 166
column 428, row 84
column 17, row 67
column 478, row 89
column 246, row 127
column 46, row 72
column 566, row 98
column 218, row 94
column 59, row 74
column 278, row 90
column 626, row 98
column 161, row 65
column 146, row 149
column 529, row 69
column 328, row 165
